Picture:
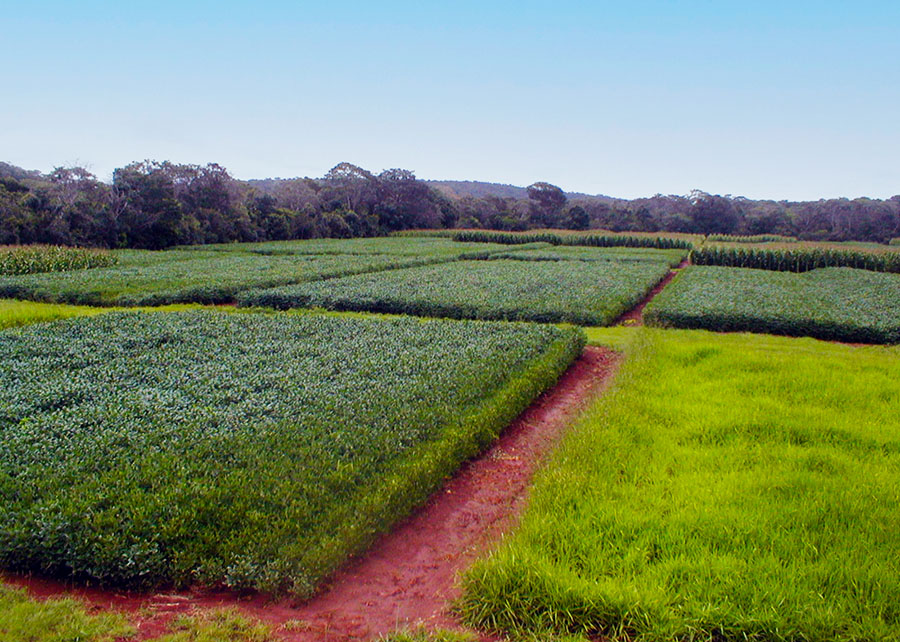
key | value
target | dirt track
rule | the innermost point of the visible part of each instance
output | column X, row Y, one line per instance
column 408, row 576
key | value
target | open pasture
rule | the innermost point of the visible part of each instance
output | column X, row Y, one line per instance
column 158, row 278
column 840, row 304
column 729, row 487
column 253, row 450
column 581, row 292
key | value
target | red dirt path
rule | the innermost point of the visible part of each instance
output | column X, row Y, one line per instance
column 408, row 576
column 635, row 316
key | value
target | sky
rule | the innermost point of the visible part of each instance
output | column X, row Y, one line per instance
column 786, row 100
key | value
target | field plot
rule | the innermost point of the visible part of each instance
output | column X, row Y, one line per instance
column 582, row 253
column 582, row 292
column 250, row 449
column 730, row 487
column 393, row 245
column 840, row 304
column 157, row 278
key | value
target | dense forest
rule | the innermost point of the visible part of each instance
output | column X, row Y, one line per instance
column 154, row 205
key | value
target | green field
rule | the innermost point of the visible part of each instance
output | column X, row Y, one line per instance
column 581, row 253
column 158, row 278
column 729, row 487
column 393, row 245
column 840, row 304
column 257, row 450
column 581, row 292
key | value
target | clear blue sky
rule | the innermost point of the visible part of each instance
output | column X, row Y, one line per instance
column 765, row 99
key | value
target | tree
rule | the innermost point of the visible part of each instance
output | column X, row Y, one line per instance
column 548, row 200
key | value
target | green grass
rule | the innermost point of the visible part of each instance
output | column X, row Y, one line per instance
column 729, row 487
column 582, row 292
column 840, row 304
column 23, row 619
column 15, row 313
column 255, row 450
column 18, row 313
column 158, row 278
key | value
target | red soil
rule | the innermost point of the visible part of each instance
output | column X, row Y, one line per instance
column 408, row 577
column 635, row 316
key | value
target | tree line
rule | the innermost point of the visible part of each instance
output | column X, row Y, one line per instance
column 154, row 205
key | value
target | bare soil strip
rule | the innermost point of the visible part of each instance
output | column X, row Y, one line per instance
column 635, row 316
column 408, row 577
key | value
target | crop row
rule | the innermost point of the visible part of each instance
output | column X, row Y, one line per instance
column 579, row 253
column 33, row 259
column 211, row 277
column 581, row 292
column 255, row 450
column 389, row 245
column 795, row 259
column 839, row 304
column 755, row 238
column 554, row 238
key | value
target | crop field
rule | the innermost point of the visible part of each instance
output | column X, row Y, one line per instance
column 840, row 304
column 581, row 292
column 50, row 258
column 393, row 245
column 153, row 278
column 729, row 487
column 254, row 450
column 581, row 253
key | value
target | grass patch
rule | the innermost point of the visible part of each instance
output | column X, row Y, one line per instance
column 581, row 292
column 253, row 450
column 838, row 304
column 728, row 487
column 55, row 620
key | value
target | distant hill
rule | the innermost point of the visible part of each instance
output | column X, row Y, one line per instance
column 8, row 170
column 480, row 189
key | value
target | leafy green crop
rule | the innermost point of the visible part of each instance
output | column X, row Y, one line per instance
column 31, row 259
column 840, row 304
column 249, row 449
column 582, row 292
column 157, row 278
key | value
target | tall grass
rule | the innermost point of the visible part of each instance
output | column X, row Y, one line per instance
column 730, row 487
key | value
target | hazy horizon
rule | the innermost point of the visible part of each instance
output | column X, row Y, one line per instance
column 629, row 100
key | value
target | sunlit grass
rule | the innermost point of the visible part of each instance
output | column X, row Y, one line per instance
column 59, row 620
column 15, row 313
column 730, row 487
